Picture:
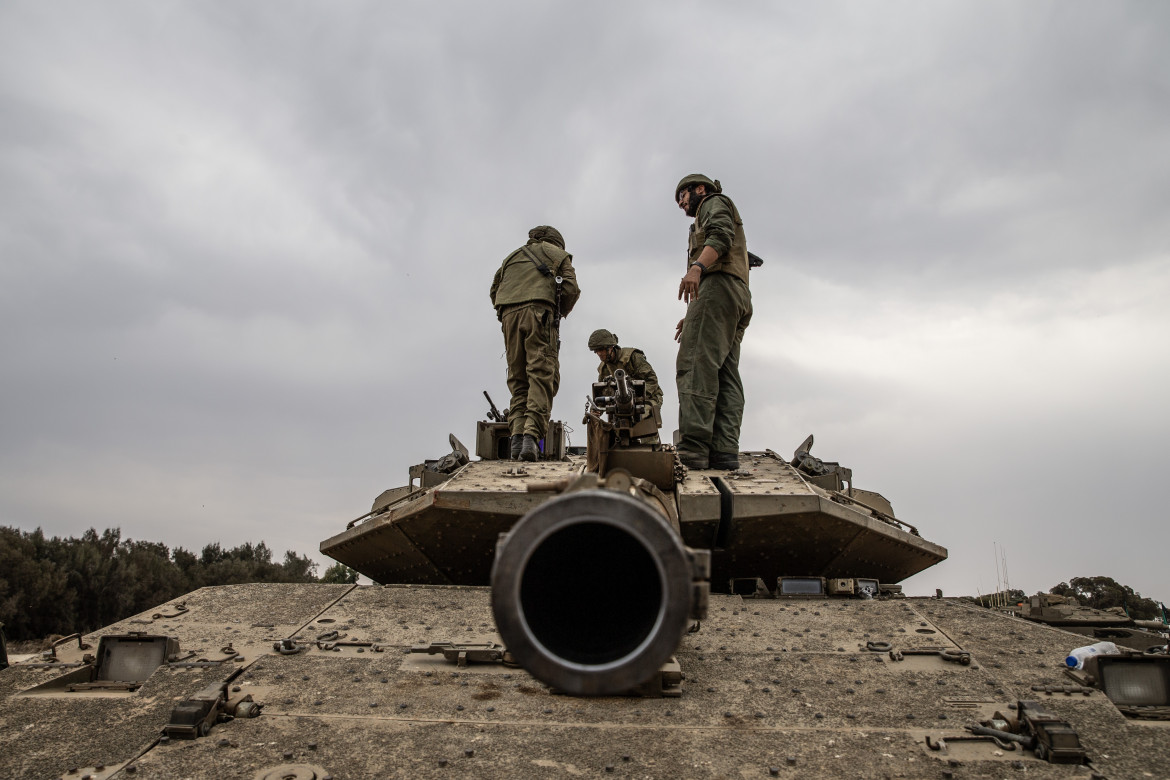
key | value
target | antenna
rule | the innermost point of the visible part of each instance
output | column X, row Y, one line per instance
column 1006, row 585
column 998, row 581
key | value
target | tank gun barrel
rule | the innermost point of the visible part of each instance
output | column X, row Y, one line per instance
column 593, row 591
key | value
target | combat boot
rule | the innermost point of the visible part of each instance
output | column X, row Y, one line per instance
column 528, row 448
column 692, row 460
column 515, row 443
column 728, row 461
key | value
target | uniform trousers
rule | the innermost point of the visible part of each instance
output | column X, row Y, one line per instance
column 534, row 373
column 710, row 392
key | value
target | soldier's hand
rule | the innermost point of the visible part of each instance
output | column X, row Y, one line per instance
column 678, row 331
column 688, row 288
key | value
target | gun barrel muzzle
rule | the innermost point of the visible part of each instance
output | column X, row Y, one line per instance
column 623, row 393
column 593, row 591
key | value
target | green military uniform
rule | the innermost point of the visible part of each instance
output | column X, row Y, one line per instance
column 524, row 297
column 710, row 391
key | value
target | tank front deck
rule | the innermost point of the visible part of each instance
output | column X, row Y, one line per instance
column 773, row 688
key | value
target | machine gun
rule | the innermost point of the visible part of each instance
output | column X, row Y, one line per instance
column 622, row 403
column 593, row 590
column 617, row 414
column 493, row 412
column 557, row 281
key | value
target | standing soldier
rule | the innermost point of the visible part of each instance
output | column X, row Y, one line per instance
column 719, row 308
column 633, row 361
column 533, row 289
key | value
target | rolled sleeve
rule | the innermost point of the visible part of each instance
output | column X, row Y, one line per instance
column 718, row 223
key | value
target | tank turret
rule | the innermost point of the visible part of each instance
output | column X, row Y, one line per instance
column 598, row 560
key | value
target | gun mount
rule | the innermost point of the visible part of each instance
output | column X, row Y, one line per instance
column 622, row 432
column 593, row 590
column 494, row 414
column 619, row 406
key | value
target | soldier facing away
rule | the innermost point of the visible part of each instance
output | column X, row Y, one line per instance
column 526, row 291
column 633, row 361
column 719, row 308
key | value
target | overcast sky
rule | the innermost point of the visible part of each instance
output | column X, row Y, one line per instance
column 245, row 252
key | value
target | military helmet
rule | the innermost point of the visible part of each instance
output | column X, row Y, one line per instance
column 697, row 178
column 600, row 339
column 547, row 233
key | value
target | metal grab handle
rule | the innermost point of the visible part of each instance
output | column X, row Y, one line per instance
column 80, row 645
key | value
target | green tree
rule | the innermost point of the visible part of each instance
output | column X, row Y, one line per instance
column 60, row 586
column 298, row 568
column 340, row 574
column 1106, row 592
column 35, row 598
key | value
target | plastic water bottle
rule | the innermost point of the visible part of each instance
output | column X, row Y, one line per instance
column 1076, row 658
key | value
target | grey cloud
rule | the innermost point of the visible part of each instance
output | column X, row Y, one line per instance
column 244, row 251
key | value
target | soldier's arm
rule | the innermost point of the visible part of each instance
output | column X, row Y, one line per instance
column 644, row 371
column 496, row 284
column 715, row 216
column 570, row 292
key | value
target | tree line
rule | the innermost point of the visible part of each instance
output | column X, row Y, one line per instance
column 1106, row 592
column 54, row 585
column 1095, row 592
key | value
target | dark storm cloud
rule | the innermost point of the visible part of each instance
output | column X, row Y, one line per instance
column 245, row 250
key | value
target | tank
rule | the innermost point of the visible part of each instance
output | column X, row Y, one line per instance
column 1098, row 624
column 596, row 613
